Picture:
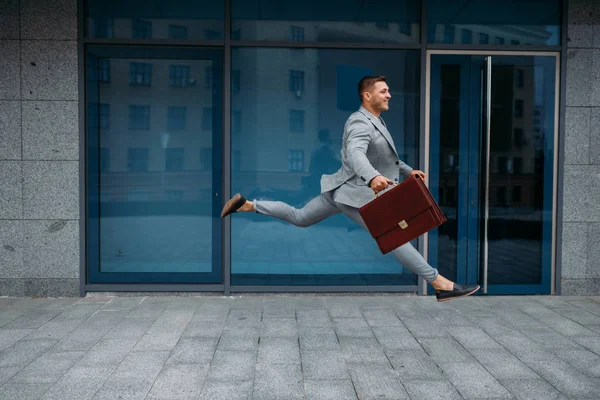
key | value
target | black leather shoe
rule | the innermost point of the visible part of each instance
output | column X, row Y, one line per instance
column 233, row 205
column 458, row 291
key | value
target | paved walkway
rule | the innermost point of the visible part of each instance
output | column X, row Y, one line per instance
column 300, row 347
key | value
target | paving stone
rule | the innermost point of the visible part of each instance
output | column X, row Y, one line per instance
column 532, row 389
column 473, row 381
column 381, row 317
column 232, row 366
column 503, row 365
column 394, row 338
column 450, row 318
column 329, row 390
column 194, row 350
column 425, row 327
column 33, row 319
column 279, row 327
column 352, row 327
column 376, row 381
column 108, row 352
column 473, row 338
column 582, row 360
column 278, row 381
column 25, row 351
column 23, row 391
column 324, row 364
column 56, row 329
column 90, row 332
column 432, row 390
column 147, row 310
column 164, row 334
column 415, row 365
column 278, row 350
column 8, row 337
column 130, row 328
column 219, row 390
column 48, row 368
column 79, row 383
column 569, row 381
column 138, row 371
column 179, row 382
column 362, row 350
column 313, row 338
column 232, row 341
column 550, row 339
column 445, row 350
column 592, row 343
column 205, row 328
column 8, row 372
column 313, row 318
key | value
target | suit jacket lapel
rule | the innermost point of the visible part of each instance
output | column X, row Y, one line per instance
column 379, row 127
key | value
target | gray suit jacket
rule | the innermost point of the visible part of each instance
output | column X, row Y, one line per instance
column 367, row 151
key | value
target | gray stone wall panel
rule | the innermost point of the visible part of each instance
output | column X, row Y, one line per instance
column 50, row 249
column 49, row 19
column 575, row 250
column 581, row 23
column 581, row 198
column 577, row 135
column 10, row 130
column 10, row 77
column 50, row 130
column 11, row 190
column 11, row 248
column 49, row 70
column 9, row 20
column 51, row 189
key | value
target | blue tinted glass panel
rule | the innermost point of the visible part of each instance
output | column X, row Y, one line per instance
column 379, row 21
column 533, row 22
column 271, row 160
column 153, row 208
column 160, row 19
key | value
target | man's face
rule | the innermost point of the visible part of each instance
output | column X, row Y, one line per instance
column 379, row 96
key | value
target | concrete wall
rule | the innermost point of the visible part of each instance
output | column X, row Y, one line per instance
column 39, row 148
column 581, row 219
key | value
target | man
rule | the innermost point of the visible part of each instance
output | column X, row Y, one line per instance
column 370, row 164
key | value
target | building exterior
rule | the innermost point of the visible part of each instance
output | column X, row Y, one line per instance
column 125, row 125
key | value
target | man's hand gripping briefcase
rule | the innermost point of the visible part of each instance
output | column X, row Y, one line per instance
column 401, row 214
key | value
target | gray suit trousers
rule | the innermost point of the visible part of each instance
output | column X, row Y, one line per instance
column 324, row 206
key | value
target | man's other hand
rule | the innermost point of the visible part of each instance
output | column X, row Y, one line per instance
column 420, row 174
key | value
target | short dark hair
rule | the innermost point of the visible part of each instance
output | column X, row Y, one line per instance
column 367, row 83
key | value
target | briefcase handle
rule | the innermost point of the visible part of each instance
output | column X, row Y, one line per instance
column 377, row 194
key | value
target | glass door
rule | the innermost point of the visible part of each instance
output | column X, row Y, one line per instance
column 154, row 133
column 492, row 124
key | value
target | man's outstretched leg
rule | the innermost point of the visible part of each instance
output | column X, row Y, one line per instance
column 314, row 211
column 408, row 256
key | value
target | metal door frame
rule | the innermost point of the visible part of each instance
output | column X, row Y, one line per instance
column 427, row 142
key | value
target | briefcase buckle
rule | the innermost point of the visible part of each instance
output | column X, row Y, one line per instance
column 403, row 224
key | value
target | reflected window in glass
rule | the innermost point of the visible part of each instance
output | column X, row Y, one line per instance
column 176, row 118
column 296, row 81
column 531, row 22
column 296, row 160
column 141, row 29
column 137, row 159
column 467, row 36
column 381, row 21
column 178, row 32
column 139, row 118
column 179, row 76
column 140, row 74
column 296, row 121
column 158, row 19
column 484, row 38
column 174, row 159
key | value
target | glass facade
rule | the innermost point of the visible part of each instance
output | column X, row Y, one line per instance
column 159, row 120
column 291, row 134
column 514, row 22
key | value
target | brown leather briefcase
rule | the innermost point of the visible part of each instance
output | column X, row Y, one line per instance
column 401, row 214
